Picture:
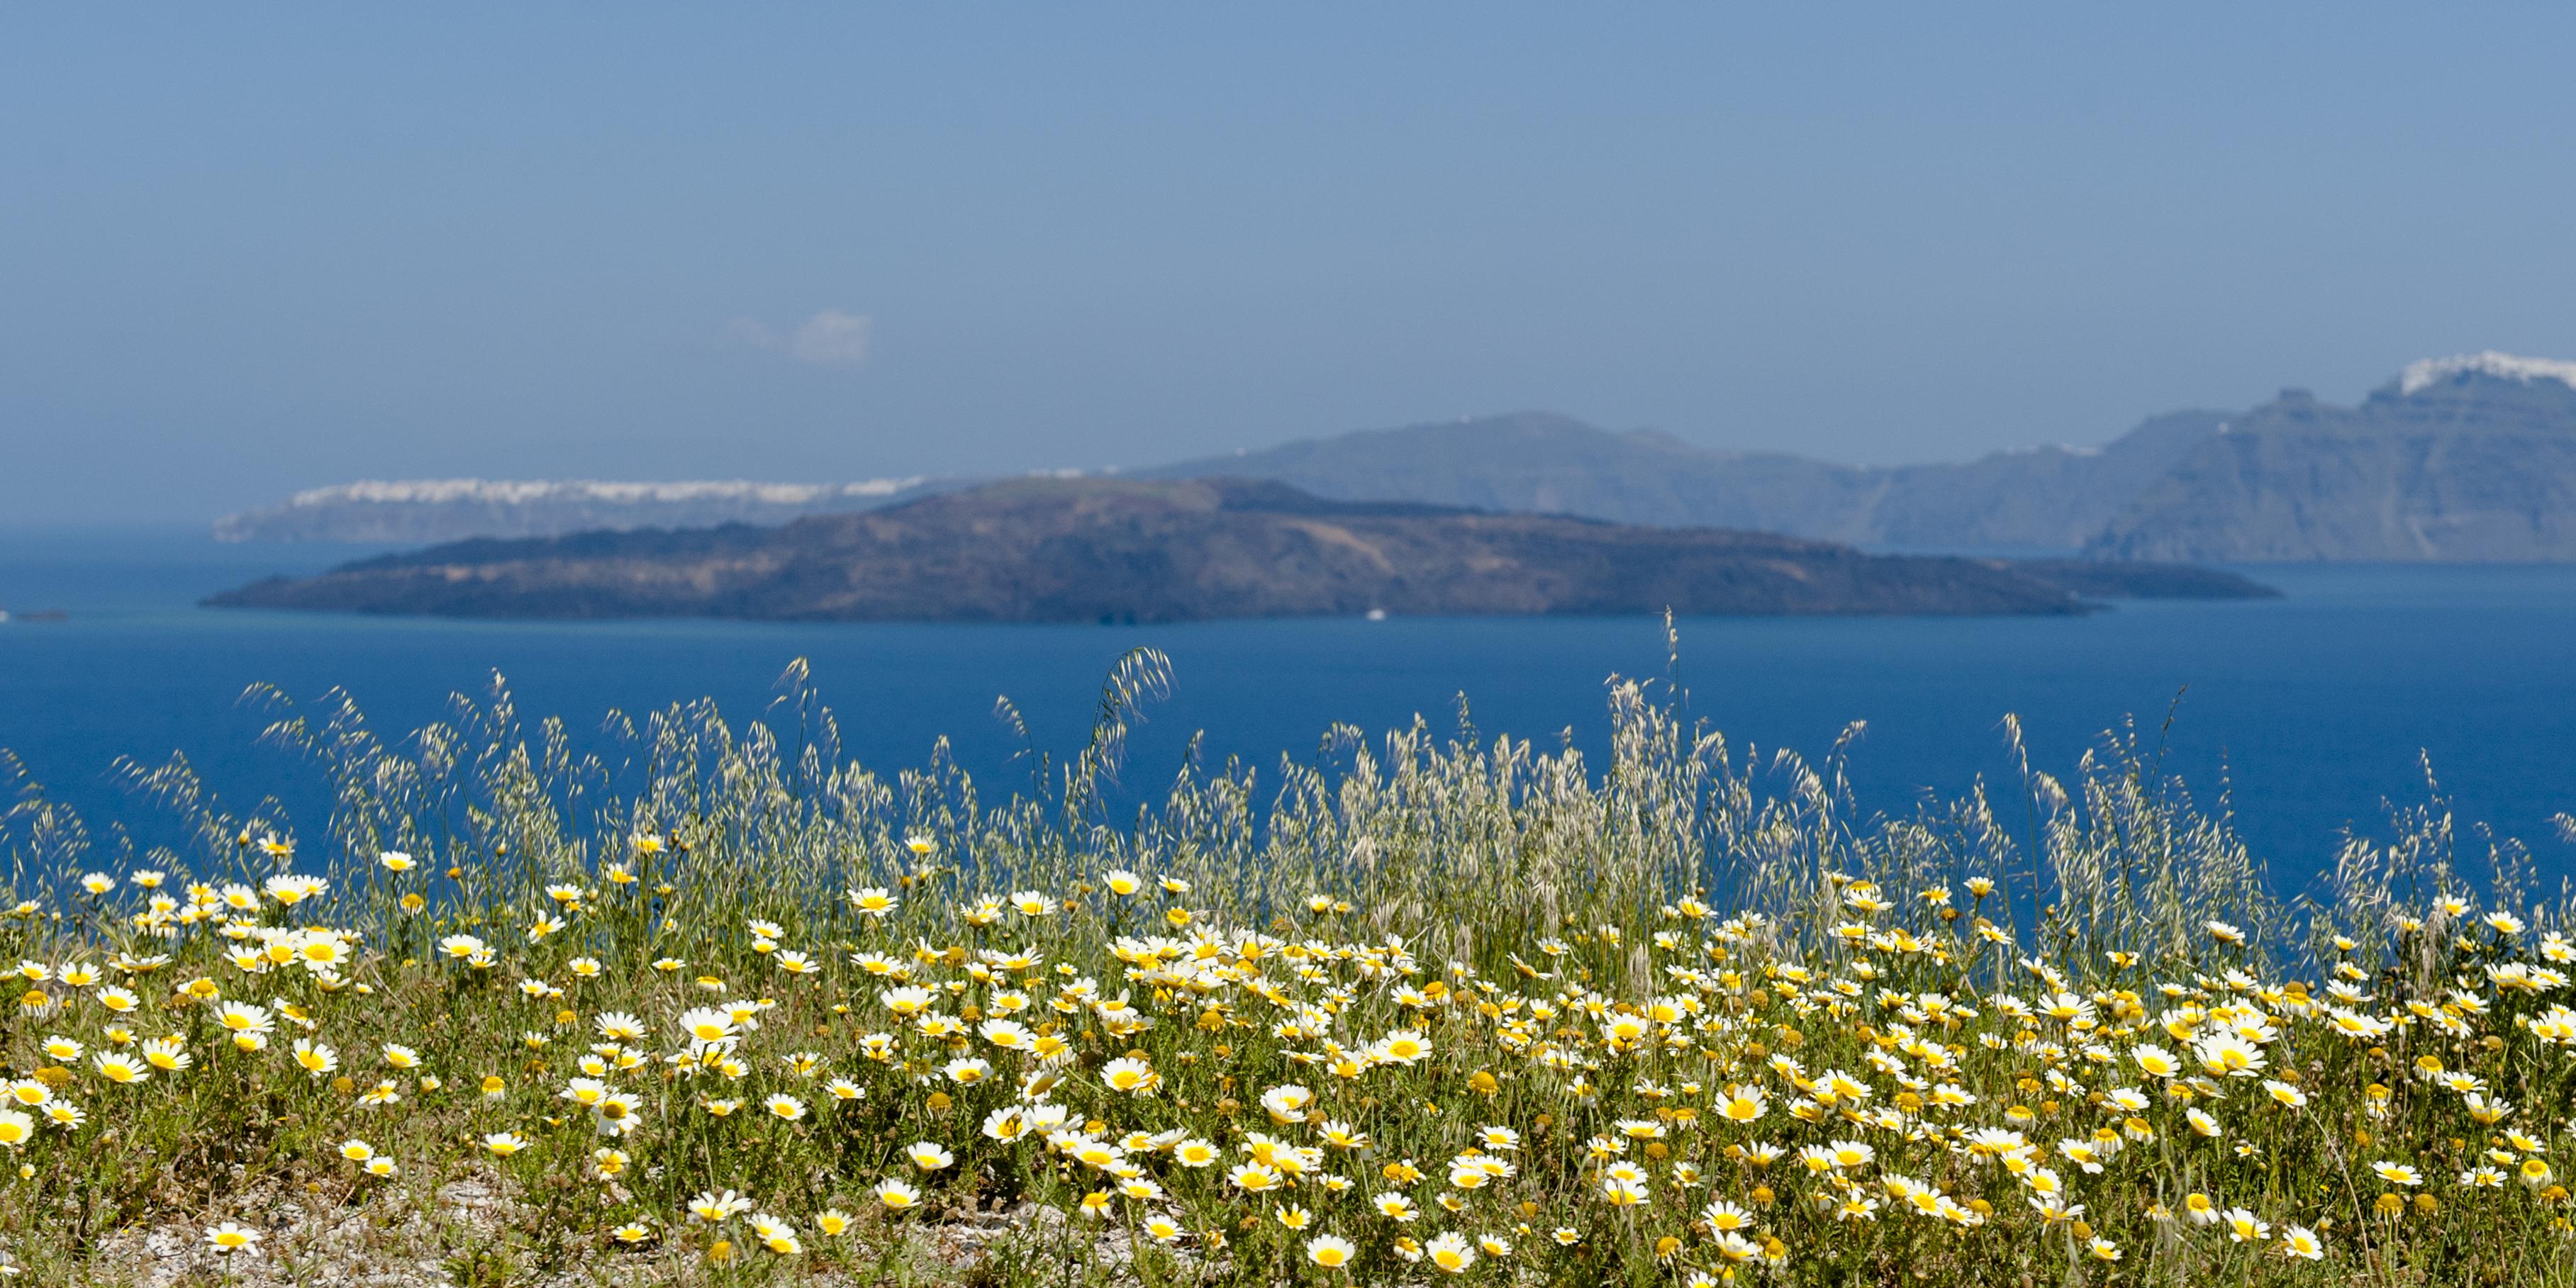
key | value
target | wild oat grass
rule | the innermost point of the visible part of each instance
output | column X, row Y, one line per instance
column 728, row 1009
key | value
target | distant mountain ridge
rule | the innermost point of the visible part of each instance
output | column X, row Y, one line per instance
column 2463, row 459
column 2470, row 458
column 1136, row 550
column 2048, row 498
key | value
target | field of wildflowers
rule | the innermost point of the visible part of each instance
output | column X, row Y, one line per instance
column 729, row 1009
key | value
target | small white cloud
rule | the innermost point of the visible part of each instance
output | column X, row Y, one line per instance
column 831, row 338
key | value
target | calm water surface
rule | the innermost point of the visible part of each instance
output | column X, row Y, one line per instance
column 2316, row 707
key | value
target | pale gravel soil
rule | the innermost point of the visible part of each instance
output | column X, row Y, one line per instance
column 411, row 1240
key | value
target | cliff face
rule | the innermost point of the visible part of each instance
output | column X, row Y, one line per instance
column 1134, row 550
column 2473, row 460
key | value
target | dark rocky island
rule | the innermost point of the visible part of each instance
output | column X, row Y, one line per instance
column 1159, row 551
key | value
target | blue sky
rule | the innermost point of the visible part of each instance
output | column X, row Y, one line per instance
column 247, row 251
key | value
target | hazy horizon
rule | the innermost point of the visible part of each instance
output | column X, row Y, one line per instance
column 249, row 253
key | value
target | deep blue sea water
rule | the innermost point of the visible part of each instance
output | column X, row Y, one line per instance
column 2317, row 704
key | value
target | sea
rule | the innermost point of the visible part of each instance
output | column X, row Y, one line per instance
column 2361, row 689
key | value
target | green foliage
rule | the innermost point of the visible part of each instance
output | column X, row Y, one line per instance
column 1346, row 970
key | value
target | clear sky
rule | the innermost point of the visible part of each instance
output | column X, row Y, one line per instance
column 245, row 250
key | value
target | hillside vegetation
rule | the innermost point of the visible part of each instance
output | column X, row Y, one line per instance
column 718, row 1007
